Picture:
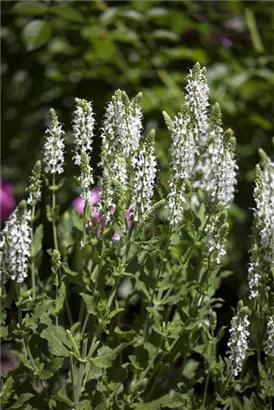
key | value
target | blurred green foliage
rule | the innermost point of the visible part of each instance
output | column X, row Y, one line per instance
column 53, row 51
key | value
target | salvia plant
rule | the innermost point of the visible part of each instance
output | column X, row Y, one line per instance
column 121, row 311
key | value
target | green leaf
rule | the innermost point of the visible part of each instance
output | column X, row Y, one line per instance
column 36, row 33
column 129, row 335
column 61, row 395
column 23, row 398
column 106, row 355
column 52, row 368
column 61, row 297
column 58, row 342
column 190, row 369
column 170, row 400
column 76, row 220
column 115, row 312
column 7, row 390
column 37, row 240
column 3, row 332
column 89, row 302
column 29, row 8
column 93, row 372
column 84, row 405
column 68, row 13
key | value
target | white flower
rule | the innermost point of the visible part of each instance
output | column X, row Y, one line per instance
column 83, row 129
column 197, row 92
column 54, row 148
column 183, row 150
column 214, row 238
column 121, row 134
column 262, row 257
column 144, row 181
column 269, row 342
column 16, row 244
column 238, row 341
column 34, row 188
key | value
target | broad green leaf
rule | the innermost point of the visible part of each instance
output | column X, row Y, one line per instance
column 106, row 355
column 29, row 8
column 36, row 33
column 68, row 13
column 58, row 341
column 23, row 398
column 52, row 368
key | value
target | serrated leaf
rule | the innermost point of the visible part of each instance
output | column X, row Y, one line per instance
column 68, row 13
column 36, row 33
column 23, row 398
column 89, row 302
column 37, row 240
column 29, row 8
column 58, row 341
column 106, row 355
column 52, row 368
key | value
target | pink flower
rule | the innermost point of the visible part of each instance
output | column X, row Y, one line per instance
column 79, row 203
column 7, row 200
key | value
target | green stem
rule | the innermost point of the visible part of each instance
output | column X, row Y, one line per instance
column 54, row 230
column 208, row 374
column 85, row 324
column 25, row 342
column 68, row 312
column 72, row 375
column 33, row 282
column 81, row 373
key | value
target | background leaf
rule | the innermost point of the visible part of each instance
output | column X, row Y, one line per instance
column 36, row 33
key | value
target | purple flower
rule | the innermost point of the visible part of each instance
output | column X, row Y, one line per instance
column 7, row 200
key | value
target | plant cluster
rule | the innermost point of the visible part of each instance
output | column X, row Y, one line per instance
column 126, row 317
